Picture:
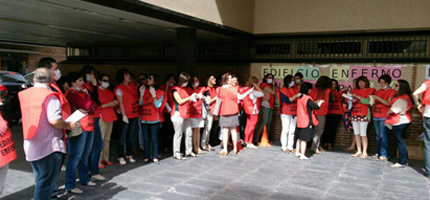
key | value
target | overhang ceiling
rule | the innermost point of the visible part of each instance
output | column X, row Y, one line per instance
column 80, row 23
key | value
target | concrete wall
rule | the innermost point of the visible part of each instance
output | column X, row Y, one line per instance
column 312, row 16
column 238, row 14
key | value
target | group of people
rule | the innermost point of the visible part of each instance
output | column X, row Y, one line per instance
column 157, row 114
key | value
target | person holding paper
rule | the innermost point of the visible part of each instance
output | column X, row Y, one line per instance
column 196, row 118
column 180, row 117
column 80, row 147
column 42, row 123
column 251, row 106
column 210, row 93
column 152, row 101
column 380, row 113
column 306, row 119
column 126, row 94
column 334, row 115
column 107, row 115
column 228, row 110
column 399, row 118
column 321, row 91
column 360, row 114
column 287, row 98
column 166, row 130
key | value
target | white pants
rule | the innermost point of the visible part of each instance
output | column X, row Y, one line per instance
column 3, row 173
column 287, row 133
column 206, row 132
column 180, row 126
column 360, row 128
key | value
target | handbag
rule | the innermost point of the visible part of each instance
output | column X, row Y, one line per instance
column 77, row 131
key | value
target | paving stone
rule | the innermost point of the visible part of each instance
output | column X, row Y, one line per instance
column 174, row 196
column 148, row 188
column 193, row 190
column 133, row 195
column 206, row 183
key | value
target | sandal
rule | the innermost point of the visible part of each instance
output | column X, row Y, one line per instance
column 364, row 156
column 224, row 153
column 375, row 156
column 382, row 158
column 193, row 155
column 146, row 160
column 356, row 154
column 179, row 157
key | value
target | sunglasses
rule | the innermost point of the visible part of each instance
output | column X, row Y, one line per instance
column 142, row 79
column 106, row 81
column 149, row 78
column 395, row 85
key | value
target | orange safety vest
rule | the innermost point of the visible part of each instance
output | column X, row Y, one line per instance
column 212, row 94
column 426, row 94
column 359, row 109
column 195, row 108
column 66, row 111
column 31, row 101
column 381, row 110
column 287, row 108
column 148, row 110
column 129, row 100
column 185, row 107
column 336, row 107
column 271, row 96
column 87, row 123
column 107, row 114
column 248, row 104
column 229, row 105
column 395, row 118
column 324, row 106
column 7, row 147
column 302, row 112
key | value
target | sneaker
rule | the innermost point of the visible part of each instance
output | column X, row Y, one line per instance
column 397, row 165
column 130, row 159
column 90, row 183
column 304, row 158
column 76, row 191
column 251, row 146
column 297, row 155
column 122, row 161
column 99, row 177
column 63, row 168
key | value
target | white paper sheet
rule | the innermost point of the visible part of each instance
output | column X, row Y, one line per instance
column 76, row 116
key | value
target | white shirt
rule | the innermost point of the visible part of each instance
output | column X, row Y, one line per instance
column 254, row 96
column 47, row 139
column 400, row 107
column 427, row 107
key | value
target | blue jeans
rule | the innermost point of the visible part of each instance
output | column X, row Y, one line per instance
column 140, row 138
column 399, row 133
column 381, row 136
column 46, row 171
column 79, row 151
column 427, row 145
column 150, row 132
column 128, row 134
column 97, row 149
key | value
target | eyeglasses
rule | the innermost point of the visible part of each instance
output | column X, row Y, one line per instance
column 143, row 79
column 149, row 78
column 105, row 81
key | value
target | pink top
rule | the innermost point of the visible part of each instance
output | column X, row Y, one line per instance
column 47, row 139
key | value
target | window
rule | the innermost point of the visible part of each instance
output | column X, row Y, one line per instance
column 329, row 48
column 407, row 46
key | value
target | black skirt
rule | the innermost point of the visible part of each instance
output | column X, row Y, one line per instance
column 305, row 134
